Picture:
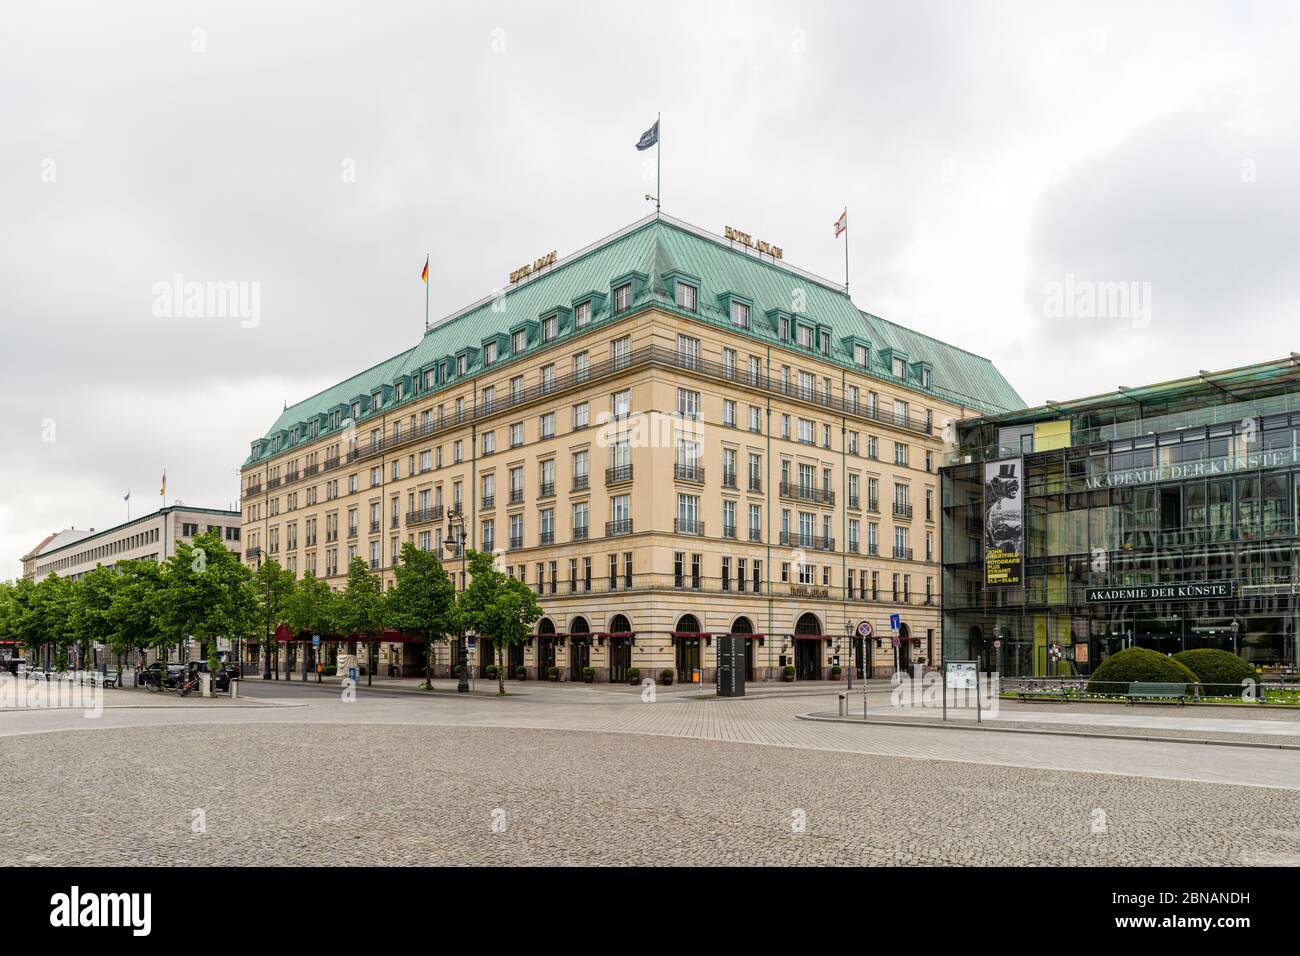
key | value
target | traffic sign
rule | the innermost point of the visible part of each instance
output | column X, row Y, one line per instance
column 895, row 620
column 896, row 640
column 315, row 640
column 865, row 629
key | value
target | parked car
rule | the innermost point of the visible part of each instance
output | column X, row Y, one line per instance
column 13, row 665
column 220, row 680
column 150, row 674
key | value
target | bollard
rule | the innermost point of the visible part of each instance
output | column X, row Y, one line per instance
column 234, row 689
column 205, row 684
column 844, row 705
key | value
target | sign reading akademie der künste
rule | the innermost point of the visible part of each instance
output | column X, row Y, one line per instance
column 1194, row 591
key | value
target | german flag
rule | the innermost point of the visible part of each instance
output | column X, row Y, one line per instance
column 424, row 276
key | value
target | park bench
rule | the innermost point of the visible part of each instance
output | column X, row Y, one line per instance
column 1056, row 693
column 1155, row 690
column 104, row 679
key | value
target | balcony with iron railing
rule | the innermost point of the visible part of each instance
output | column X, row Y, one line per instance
column 352, row 531
column 516, row 542
column 581, row 482
column 873, row 505
column 801, row 492
column 374, row 527
column 516, row 496
column 793, row 539
column 903, row 554
column 422, row 516
column 902, row 509
column 614, row 529
column 489, row 502
column 755, row 484
column 546, row 537
column 729, row 531
column 546, row 490
column 854, row 502
column 694, row 473
column 580, row 533
column 756, row 534
column 729, row 479
column 617, row 474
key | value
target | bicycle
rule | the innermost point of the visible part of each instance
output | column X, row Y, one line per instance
column 185, row 685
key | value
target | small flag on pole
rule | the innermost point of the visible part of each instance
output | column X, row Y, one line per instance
column 424, row 276
column 127, row 496
column 842, row 224
column 162, row 492
column 649, row 138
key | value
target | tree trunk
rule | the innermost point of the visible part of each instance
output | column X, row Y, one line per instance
column 501, row 670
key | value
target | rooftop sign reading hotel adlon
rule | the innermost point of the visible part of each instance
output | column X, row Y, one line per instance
column 1195, row 591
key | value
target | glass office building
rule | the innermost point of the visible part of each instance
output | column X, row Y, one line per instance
column 1164, row 517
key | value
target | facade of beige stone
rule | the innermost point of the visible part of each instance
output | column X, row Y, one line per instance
column 659, row 478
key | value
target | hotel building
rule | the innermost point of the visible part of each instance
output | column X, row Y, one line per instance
column 669, row 435
column 1166, row 516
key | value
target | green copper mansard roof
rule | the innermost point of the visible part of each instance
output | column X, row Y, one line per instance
column 653, row 255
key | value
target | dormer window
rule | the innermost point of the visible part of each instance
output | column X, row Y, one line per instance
column 429, row 378
column 785, row 330
column 397, row 392
column 686, row 296
column 925, row 377
column 861, row 356
column 489, row 353
column 462, row 363
column 376, row 399
column 740, row 315
column 900, row 367
column 623, row 297
column 518, row 341
column 824, row 343
column 549, row 326
column 804, row 334
column 356, row 410
column 582, row 315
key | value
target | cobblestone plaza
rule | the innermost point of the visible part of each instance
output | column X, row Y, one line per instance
column 583, row 775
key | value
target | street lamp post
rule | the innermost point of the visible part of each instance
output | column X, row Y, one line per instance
column 456, row 542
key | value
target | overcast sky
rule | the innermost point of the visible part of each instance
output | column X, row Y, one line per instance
column 991, row 156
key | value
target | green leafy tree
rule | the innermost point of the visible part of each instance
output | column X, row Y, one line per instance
column 90, row 608
column 422, row 601
column 8, row 609
column 312, row 608
column 134, row 611
column 497, row 608
column 208, row 594
column 274, row 586
column 362, row 607
column 45, row 618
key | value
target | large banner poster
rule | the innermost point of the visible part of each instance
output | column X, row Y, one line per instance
column 1004, row 523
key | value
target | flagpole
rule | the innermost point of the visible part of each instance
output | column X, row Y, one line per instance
column 426, row 294
column 846, row 250
column 659, row 147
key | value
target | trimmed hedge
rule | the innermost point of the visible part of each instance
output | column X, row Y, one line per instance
column 1215, row 667
column 1138, row 664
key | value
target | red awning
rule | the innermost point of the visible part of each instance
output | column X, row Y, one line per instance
column 813, row 637
column 615, row 634
column 750, row 636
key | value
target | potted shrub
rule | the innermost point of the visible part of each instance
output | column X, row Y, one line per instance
column 492, row 671
column 553, row 673
column 589, row 674
column 835, row 671
column 788, row 672
column 666, row 676
column 455, row 671
column 521, row 672
column 634, row 675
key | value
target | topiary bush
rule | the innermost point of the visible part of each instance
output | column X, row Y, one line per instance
column 1138, row 664
column 1217, row 669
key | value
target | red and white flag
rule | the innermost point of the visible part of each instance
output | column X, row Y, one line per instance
column 842, row 224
